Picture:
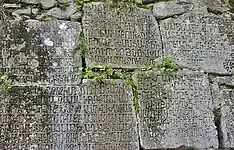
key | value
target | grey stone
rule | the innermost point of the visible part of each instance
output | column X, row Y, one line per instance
column 26, row 11
column 227, row 115
column 44, row 3
column 120, row 35
column 35, row 11
column 81, row 116
column 64, row 1
column 163, row 10
column 21, row 14
column 45, row 50
column 202, row 42
column 76, row 17
column 61, row 13
column 6, row 5
column 176, row 109
column 215, row 6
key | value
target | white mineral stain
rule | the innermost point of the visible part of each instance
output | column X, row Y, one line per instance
column 63, row 26
column 48, row 42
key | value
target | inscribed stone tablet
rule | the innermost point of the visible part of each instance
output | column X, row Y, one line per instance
column 90, row 116
column 200, row 42
column 176, row 110
column 120, row 35
column 227, row 115
column 109, row 116
column 40, row 52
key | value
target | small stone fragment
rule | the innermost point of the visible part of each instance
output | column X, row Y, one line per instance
column 63, row 14
column 76, row 17
column 163, row 10
column 215, row 6
column 26, row 11
column 44, row 3
column 35, row 11
column 7, row 5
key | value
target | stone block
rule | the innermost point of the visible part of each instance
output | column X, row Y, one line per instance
column 87, row 116
column 176, row 109
column 123, row 36
column 40, row 52
column 201, row 42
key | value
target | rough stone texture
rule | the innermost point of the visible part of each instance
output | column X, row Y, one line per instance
column 76, row 17
column 200, row 42
column 121, row 36
column 44, row 3
column 79, row 117
column 40, row 51
column 223, row 93
column 163, row 10
column 215, row 6
column 62, row 13
column 176, row 109
column 227, row 115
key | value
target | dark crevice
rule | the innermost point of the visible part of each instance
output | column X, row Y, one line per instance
column 217, row 120
column 160, row 35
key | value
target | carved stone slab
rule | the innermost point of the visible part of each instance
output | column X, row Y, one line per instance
column 89, row 116
column 227, row 115
column 176, row 110
column 40, row 52
column 200, row 42
column 120, row 35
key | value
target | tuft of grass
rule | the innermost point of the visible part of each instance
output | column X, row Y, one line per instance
column 168, row 64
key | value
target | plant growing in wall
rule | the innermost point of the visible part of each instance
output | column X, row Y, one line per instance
column 5, row 82
column 168, row 64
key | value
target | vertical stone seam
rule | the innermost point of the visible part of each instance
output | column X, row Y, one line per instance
column 160, row 34
column 217, row 122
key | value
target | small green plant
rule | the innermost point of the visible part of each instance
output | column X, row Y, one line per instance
column 168, row 64
column 101, row 72
column 5, row 82
column 80, row 3
column 63, row 5
column 82, row 45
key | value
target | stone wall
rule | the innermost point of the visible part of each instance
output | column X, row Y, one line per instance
column 48, row 45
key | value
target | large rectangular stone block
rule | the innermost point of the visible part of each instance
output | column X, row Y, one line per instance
column 89, row 116
column 120, row 35
column 40, row 52
column 176, row 109
column 202, row 42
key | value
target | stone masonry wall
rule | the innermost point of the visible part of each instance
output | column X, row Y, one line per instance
column 47, row 46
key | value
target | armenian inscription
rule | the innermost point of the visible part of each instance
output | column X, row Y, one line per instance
column 176, row 110
column 227, row 114
column 42, row 52
column 89, row 116
column 200, row 41
column 120, row 35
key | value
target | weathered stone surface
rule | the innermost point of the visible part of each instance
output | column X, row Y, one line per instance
column 176, row 109
column 88, row 116
column 167, row 9
column 227, row 115
column 120, row 35
column 223, row 93
column 6, row 5
column 44, row 3
column 200, row 42
column 215, row 6
column 41, row 52
column 62, row 13
column 76, row 17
